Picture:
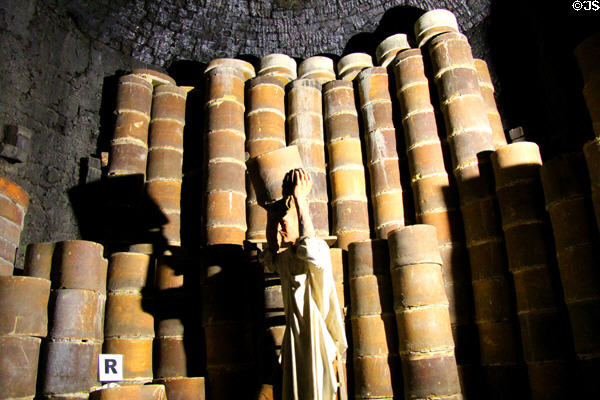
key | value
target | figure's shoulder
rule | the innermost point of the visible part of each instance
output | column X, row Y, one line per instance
column 314, row 250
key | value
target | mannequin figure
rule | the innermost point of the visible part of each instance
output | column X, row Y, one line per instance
column 314, row 336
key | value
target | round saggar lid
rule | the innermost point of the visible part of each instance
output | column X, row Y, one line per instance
column 270, row 63
column 433, row 23
column 389, row 47
column 350, row 65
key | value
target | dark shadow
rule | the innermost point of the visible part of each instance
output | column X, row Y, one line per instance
column 116, row 210
column 231, row 306
column 539, row 81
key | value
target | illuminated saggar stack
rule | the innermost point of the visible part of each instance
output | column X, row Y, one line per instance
column 375, row 353
column 165, row 157
column 382, row 156
column 129, row 326
column 436, row 201
column 129, row 146
column 349, row 201
column 14, row 202
column 225, row 137
column 544, row 328
column 265, row 121
column 69, row 357
column 470, row 138
column 425, row 336
column 23, row 321
column 305, row 129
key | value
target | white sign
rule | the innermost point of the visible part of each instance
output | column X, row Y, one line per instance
column 110, row 367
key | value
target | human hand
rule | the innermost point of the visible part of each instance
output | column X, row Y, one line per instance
column 302, row 183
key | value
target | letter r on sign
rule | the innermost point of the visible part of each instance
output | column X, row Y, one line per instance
column 110, row 367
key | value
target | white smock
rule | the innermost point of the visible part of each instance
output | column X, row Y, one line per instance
column 314, row 333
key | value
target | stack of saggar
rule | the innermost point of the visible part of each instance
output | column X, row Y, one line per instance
column 13, row 207
column 470, row 138
column 225, row 133
column 346, row 172
column 425, row 336
column 375, row 351
column 436, row 202
column 165, row 157
column 266, row 132
column 23, row 321
column 305, row 123
column 544, row 327
column 575, row 238
column 129, row 326
column 382, row 156
column 178, row 330
column 69, row 358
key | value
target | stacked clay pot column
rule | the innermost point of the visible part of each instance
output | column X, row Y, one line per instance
column 544, row 328
column 131, row 392
column 470, row 137
column 388, row 48
column 305, row 122
column 165, row 157
column 129, row 328
column 587, row 54
column 14, row 202
column 576, row 250
column 382, row 156
column 38, row 259
column 351, row 64
column 129, row 146
column 279, row 66
column 318, row 68
column 346, row 172
column 436, row 201
column 265, row 121
column 375, row 356
column 423, row 320
column 487, row 93
column 176, row 331
column 23, row 321
column 591, row 150
column 172, row 357
column 225, row 135
column 69, row 358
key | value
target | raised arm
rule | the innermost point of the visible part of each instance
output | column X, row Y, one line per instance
column 302, row 184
